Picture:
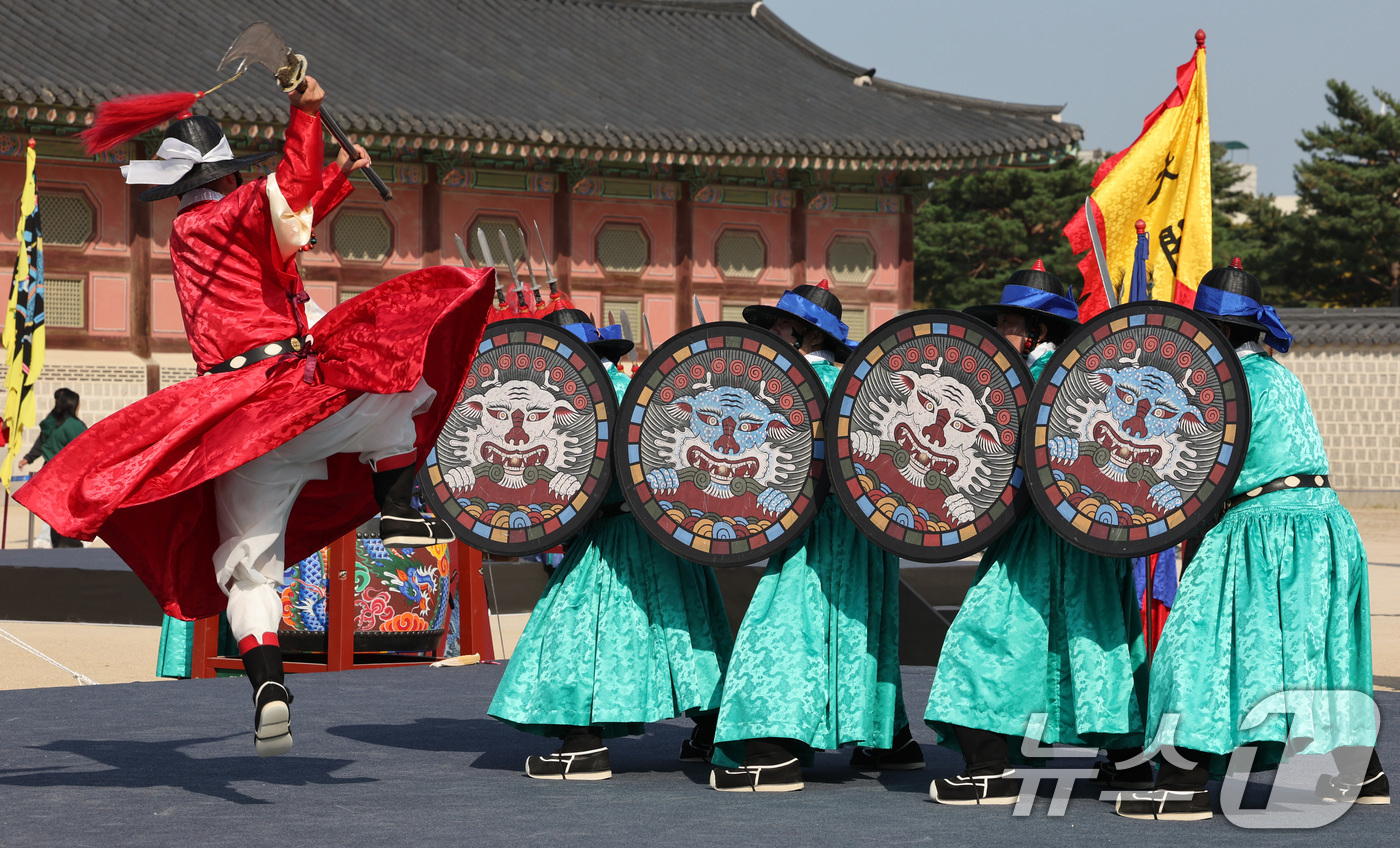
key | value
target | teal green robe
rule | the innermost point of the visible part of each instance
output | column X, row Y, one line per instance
column 625, row 633
column 1276, row 599
column 817, row 656
column 1045, row 629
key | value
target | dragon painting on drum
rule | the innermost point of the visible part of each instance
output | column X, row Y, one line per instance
column 1135, row 436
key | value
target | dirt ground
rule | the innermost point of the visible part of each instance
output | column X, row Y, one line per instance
column 124, row 654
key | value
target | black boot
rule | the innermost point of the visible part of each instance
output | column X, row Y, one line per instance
column 1113, row 774
column 1362, row 780
column 904, row 754
column 769, row 766
column 988, row 777
column 701, row 744
column 582, row 756
column 272, row 730
column 1180, row 793
column 400, row 525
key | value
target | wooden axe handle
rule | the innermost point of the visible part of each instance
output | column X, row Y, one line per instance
column 349, row 148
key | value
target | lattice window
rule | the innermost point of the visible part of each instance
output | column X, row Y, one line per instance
column 622, row 249
column 733, row 312
column 493, row 227
column 363, row 236
column 850, row 261
column 65, row 220
column 741, row 254
column 63, row 302
column 858, row 321
column 346, row 294
column 616, row 307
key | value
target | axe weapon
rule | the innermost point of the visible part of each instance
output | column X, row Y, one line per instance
column 549, row 275
column 1093, row 222
column 470, row 262
column 534, row 283
column 627, row 334
column 510, row 265
column 259, row 44
column 699, row 313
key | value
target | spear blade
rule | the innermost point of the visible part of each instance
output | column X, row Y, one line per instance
column 699, row 313
column 549, row 275
column 534, row 283
column 646, row 333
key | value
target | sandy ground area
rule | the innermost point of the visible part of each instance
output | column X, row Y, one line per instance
column 124, row 654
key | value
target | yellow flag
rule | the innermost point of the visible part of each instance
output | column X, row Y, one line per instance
column 24, row 321
column 1164, row 180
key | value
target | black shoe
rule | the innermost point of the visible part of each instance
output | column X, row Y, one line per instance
column 1165, row 805
column 906, row 757
column 695, row 752
column 784, row 777
column 1136, row 779
column 272, row 720
column 412, row 532
column 964, row 790
column 580, row 765
column 1373, row 790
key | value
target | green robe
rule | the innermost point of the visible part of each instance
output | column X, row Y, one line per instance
column 1045, row 629
column 1276, row 599
column 817, row 656
column 625, row 633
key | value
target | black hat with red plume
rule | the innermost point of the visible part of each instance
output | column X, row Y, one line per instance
column 194, row 152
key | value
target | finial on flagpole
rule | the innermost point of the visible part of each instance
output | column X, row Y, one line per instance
column 1038, row 266
column 1236, row 263
column 1200, row 38
column 1141, row 226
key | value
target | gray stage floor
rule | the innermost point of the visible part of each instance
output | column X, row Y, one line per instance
column 408, row 756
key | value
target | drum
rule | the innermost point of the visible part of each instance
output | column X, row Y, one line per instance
column 721, row 457
column 922, row 432
column 522, row 463
column 1137, row 429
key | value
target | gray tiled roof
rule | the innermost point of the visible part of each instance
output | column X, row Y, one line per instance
column 700, row 76
column 1364, row 327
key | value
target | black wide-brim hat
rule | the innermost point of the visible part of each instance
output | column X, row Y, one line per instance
column 203, row 133
column 577, row 322
column 1234, row 279
column 1035, row 306
column 821, row 312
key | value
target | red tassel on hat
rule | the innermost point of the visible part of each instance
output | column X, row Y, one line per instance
column 118, row 121
column 824, row 285
column 1236, row 263
column 1038, row 266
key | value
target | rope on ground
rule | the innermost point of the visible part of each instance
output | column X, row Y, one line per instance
column 83, row 679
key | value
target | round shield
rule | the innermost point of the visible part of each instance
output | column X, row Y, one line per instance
column 922, row 434
column 1137, row 429
column 522, row 463
column 722, row 461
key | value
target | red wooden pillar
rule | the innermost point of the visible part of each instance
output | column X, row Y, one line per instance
column 905, row 294
column 685, row 261
column 473, row 617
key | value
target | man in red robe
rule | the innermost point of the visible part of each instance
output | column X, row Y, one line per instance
column 292, row 435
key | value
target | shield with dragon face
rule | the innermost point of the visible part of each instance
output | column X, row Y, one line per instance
column 721, row 457
column 522, row 463
column 1137, row 429
column 922, row 433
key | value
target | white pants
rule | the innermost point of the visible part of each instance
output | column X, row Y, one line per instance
column 254, row 500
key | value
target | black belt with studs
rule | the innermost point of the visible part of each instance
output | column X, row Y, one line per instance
column 1292, row 481
column 258, row 354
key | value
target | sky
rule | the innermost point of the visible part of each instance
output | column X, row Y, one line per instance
column 1111, row 63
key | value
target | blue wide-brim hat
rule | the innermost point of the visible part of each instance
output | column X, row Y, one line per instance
column 814, row 306
column 1234, row 296
column 1037, row 294
column 607, row 342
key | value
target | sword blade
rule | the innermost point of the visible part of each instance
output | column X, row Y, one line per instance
column 548, row 274
column 534, row 283
column 462, row 251
column 510, row 260
column 1093, row 223
column 626, row 327
column 485, row 247
column 699, row 313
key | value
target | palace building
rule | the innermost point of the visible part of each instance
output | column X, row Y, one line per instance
column 668, row 152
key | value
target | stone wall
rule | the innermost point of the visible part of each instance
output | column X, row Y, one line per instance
column 1355, row 394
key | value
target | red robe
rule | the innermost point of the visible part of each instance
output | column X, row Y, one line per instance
column 143, row 477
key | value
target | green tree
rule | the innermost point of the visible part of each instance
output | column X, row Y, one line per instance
column 976, row 229
column 1342, row 248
